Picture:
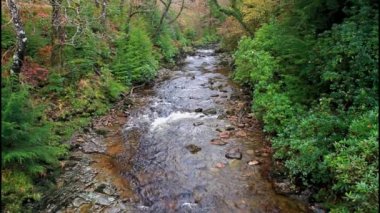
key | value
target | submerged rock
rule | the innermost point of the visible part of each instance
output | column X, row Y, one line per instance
column 234, row 154
column 218, row 142
column 193, row 148
column 198, row 110
column 211, row 111
column 198, row 123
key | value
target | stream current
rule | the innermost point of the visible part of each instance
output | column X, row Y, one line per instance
column 174, row 167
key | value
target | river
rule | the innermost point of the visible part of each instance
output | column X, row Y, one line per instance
column 192, row 146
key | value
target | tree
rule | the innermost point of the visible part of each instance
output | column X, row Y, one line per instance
column 19, row 54
column 235, row 12
column 103, row 17
column 57, row 34
column 167, row 5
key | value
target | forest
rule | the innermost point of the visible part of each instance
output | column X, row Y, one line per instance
column 309, row 66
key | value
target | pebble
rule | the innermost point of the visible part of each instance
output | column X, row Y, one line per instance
column 253, row 162
column 220, row 165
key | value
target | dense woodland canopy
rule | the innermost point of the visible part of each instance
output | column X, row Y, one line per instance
column 311, row 67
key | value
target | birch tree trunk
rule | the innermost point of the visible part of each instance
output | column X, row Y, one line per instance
column 19, row 54
column 103, row 17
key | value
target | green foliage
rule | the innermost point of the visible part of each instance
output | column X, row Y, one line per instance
column 355, row 163
column 315, row 86
column 112, row 88
column 25, row 143
column 37, row 36
column 8, row 36
column 209, row 36
column 87, row 53
column 135, row 62
column 167, row 47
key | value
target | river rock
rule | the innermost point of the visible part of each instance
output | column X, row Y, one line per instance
column 224, row 134
column 234, row 154
column 198, row 123
column 253, row 162
column 198, row 110
column 219, row 129
column 230, row 128
column 193, row 148
column 218, row 142
column 214, row 95
column 220, row 165
column 211, row 111
column 285, row 187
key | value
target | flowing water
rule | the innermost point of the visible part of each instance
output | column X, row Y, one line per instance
column 172, row 164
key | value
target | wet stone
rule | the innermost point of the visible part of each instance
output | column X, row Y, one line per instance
column 211, row 111
column 253, row 162
column 198, row 123
column 224, row 134
column 220, row 165
column 193, row 148
column 221, row 117
column 230, row 128
column 198, row 110
column 218, row 142
column 234, row 154
column 214, row 95
column 219, row 129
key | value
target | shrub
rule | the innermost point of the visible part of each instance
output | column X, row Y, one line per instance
column 26, row 146
column 135, row 62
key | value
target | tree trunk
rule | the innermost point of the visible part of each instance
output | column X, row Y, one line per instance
column 104, row 13
column 164, row 14
column 97, row 3
column 19, row 54
column 179, row 13
column 57, row 34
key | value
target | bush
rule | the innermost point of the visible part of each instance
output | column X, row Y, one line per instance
column 26, row 146
column 166, row 44
column 112, row 88
column 135, row 62
column 315, row 87
column 355, row 164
